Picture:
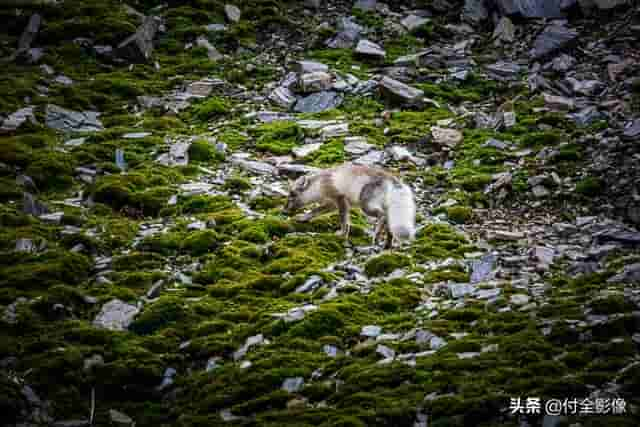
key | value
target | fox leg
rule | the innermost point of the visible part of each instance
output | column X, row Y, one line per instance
column 389, row 241
column 379, row 230
column 315, row 212
column 345, row 220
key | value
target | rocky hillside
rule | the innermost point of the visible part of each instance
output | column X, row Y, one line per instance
column 149, row 277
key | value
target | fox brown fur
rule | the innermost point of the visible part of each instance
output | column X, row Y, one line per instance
column 378, row 193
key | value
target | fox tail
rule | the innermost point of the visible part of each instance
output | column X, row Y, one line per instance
column 401, row 212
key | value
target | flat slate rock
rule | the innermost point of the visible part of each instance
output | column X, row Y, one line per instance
column 317, row 102
column 530, row 8
column 72, row 121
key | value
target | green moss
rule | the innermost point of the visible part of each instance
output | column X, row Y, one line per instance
column 210, row 108
column 438, row 241
column 330, row 153
column 459, row 214
column 202, row 151
column 541, row 138
column 201, row 242
column 279, row 137
column 237, row 184
column 205, row 204
column 386, row 263
column 43, row 270
column 161, row 313
column 590, row 187
column 610, row 305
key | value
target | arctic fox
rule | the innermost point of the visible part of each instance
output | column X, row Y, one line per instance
column 378, row 193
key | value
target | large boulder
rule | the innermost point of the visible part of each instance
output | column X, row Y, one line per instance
column 317, row 102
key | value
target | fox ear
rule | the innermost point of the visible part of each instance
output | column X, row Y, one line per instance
column 303, row 182
column 290, row 183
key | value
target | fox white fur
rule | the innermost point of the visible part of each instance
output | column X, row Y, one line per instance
column 378, row 193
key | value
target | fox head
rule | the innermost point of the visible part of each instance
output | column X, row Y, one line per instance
column 297, row 197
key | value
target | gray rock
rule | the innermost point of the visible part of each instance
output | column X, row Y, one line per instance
column 399, row 153
column 216, row 28
column 250, row 342
column 17, row 119
column 519, row 299
column 356, row 145
column 52, row 218
column 330, row 350
column 487, row 294
column 558, row 102
column 305, row 150
column 632, row 131
column 609, row 4
column 136, row 135
column 319, row 101
column 293, row 385
column 497, row 144
column 212, row 53
column 553, row 38
column 504, row 235
column 413, row 22
column 459, row 290
column 167, row 379
column 446, row 137
column 629, row 274
column 505, row 31
column 475, row 11
column 119, row 418
column 139, row 46
column 212, row 364
column 348, row 34
column 370, row 49
column 540, row 191
column 629, row 237
column 371, row 158
column 586, row 116
column 366, row 5
column 178, row 155
column 562, row 63
column 115, row 315
column 26, row 245
column 436, row 343
column 482, row 268
column 530, row 8
column 398, row 92
column 303, row 67
column 371, row 331
column 283, row 97
column 72, row 121
column 503, row 70
column 232, row 12
column 385, row 351
column 155, row 289
column 316, row 81
column 260, row 168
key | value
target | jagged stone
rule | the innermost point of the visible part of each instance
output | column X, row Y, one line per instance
column 530, row 8
column 413, row 22
column 139, row 46
column 232, row 13
column 370, row 49
column 212, row 52
column 396, row 91
column 366, row 5
column 283, row 97
column 17, row 119
column 553, row 38
column 116, row 315
column 348, row 34
column 475, row 11
column 318, row 102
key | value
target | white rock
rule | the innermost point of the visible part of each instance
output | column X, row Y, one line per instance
column 116, row 315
